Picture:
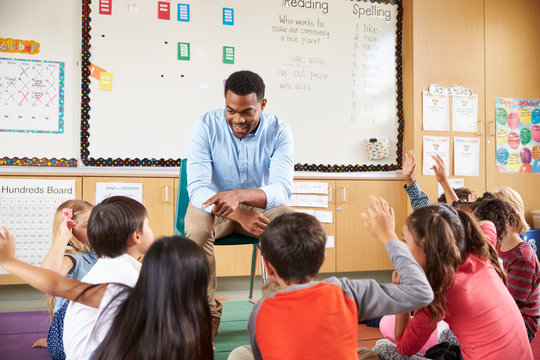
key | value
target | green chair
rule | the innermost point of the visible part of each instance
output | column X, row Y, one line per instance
column 232, row 239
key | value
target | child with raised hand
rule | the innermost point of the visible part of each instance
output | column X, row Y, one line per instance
column 417, row 197
column 464, row 272
column 165, row 316
column 70, row 255
column 518, row 258
column 310, row 319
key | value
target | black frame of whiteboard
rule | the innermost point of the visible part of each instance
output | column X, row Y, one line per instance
column 117, row 162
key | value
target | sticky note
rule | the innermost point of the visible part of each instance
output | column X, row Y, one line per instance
column 105, row 7
column 183, row 12
column 228, row 16
column 105, row 81
column 228, row 55
column 183, row 51
column 164, row 10
column 95, row 71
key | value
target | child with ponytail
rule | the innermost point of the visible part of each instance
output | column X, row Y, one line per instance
column 469, row 287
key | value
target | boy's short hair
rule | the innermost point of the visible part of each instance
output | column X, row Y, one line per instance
column 112, row 222
column 462, row 194
column 294, row 244
column 244, row 83
column 499, row 212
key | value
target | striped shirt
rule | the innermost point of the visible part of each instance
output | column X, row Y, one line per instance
column 523, row 269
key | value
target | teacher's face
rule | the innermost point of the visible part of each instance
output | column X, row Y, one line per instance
column 243, row 113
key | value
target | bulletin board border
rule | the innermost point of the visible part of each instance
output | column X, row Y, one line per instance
column 146, row 162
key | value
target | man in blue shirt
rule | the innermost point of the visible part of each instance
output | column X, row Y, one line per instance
column 240, row 171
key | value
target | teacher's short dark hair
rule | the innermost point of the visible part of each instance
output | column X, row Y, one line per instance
column 245, row 82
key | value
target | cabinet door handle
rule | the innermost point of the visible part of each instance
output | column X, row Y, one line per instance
column 166, row 194
column 330, row 194
column 344, row 195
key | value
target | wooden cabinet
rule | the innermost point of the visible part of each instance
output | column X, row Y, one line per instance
column 159, row 198
column 356, row 249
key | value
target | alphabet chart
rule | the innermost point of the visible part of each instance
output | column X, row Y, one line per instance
column 27, row 210
column 31, row 96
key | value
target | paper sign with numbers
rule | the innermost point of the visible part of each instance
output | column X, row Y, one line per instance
column 27, row 210
column 31, row 96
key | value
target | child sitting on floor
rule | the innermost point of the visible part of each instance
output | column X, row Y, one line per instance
column 165, row 316
column 310, row 319
column 70, row 255
column 518, row 258
column 119, row 233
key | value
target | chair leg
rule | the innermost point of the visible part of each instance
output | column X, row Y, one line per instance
column 263, row 269
column 252, row 277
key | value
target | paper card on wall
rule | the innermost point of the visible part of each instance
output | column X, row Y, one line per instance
column 95, row 71
column 306, row 211
column 134, row 8
column 319, row 201
column 454, row 184
column 517, row 135
column 228, row 16
column 434, row 145
column 228, row 55
column 183, row 51
column 324, row 216
column 465, row 113
column 435, row 112
column 105, row 7
column 27, row 208
column 309, row 187
column 183, row 12
column 203, row 83
column 105, row 81
column 330, row 242
column 164, row 10
column 466, row 156
column 105, row 190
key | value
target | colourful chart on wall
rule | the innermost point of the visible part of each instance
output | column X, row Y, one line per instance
column 31, row 96
column 518, row 135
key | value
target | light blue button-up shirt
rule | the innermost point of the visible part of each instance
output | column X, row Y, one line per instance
column 219, row 161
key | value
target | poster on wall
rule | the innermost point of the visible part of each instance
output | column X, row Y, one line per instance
column 31, row 96
column 518, row 135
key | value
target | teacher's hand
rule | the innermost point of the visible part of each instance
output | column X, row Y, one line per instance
column 224, row 202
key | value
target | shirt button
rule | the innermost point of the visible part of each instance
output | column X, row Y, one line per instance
column 243, row 181
column 243, row 164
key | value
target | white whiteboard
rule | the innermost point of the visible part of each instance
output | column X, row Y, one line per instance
column 330, row 72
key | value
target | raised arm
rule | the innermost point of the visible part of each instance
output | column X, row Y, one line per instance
column 374, row 299
column 440, row 173
column 416, row 196
column 55, row 259
column 45, row 280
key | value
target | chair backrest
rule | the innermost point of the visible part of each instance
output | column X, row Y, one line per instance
column 182, row 201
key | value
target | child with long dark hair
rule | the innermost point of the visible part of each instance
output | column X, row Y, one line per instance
column 165, row 316
column 469, row 287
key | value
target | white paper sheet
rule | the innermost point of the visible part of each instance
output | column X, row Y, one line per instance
column 324, row 216
column 309, row 187
column 317, row 201
column 434, row 145
column 306, row 211
column 330, row 242
column 436, row 112
column 27, row 209
column 106, row 190
column 465, row 113
column 466, row 156
column 454, row 183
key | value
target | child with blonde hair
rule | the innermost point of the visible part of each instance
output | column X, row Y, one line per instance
column 70, row 255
